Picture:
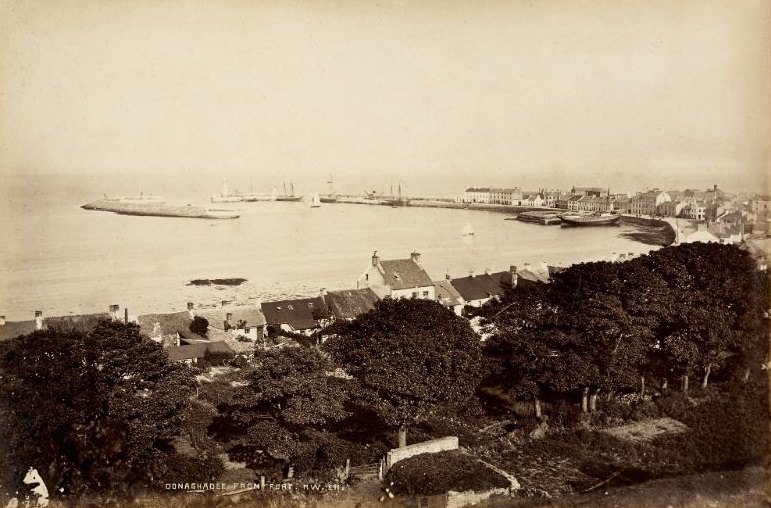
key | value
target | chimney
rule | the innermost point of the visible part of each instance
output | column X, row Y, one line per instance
column 323, row 293
column 375, row 259
column 447, row 275
column 114, row 312
column 487, row 271
column 2, row 320
column 228, row 317
column 190, row 310
column 415, row 256
column 125, row 315
column 512, row 276
column 38, row 320
column 471, row 273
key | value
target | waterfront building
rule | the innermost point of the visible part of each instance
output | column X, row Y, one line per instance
column 231, row 322
column 448, row 296
column 299, row 315
column 477, row 195
column 79, row 322
column 505, row 196
column 398, row 278
column 588, row 203
column 647, row 203
column 348, row 304
column 672, row 208
column 476, row 290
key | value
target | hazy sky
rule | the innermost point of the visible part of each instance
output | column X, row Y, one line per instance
column 552, row 93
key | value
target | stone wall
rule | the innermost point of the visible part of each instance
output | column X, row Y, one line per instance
column 433, row 446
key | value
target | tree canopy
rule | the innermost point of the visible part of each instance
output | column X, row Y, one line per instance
column 276, row 412
column 606, row 326
column 92, row 412
column 412, row 360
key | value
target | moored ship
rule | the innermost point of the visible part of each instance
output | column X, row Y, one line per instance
column 226, row 196
column 590, row 219
column 289, row 196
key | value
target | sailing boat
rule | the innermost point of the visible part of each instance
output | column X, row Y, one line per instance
column 396, row 202
column 315, row 202
column 468, row 230
column 289, row 196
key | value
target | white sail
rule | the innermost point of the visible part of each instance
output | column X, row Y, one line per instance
column 316, row 201
column 468, row 230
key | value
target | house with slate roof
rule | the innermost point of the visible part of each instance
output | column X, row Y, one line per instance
column 476, row 290
column 398, row 278
column 235, row 321
column 301, row 315
column 348, row 304
column 165, row 328
column 79, row 322
column 449, row 296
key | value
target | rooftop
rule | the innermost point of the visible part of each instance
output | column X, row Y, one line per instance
column 351, row 303
column 298, row 313
column 404, row 274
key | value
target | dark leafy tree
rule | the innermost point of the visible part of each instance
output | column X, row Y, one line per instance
column 276, row 412
column 412, row 360
column 200, row 325
column 92, row 412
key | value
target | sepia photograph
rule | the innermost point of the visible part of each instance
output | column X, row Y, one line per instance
column 385, row 253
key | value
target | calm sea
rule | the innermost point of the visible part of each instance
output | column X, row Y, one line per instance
column 60, row 259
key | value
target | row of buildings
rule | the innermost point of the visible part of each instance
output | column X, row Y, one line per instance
column 710, row 206
column 236, row 329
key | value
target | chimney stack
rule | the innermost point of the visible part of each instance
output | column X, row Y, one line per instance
column 114, row 312
column 323, row 293
column 375, row 259
column 415, row 256
column 190, row 310
column 2, row 320
column 125, row 315
column 228, row 317
column 471, row 273
column 487, row 271
column 38, row 320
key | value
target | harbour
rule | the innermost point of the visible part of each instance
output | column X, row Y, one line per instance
column 283, row 249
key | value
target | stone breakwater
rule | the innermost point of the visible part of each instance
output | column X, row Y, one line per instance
column 159, row 210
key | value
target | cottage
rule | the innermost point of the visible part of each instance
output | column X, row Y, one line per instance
column 246, row 321
column 78, row 322
column 301, row 315
column 164, row 328
column 476, row 290
column 448, row 296
column 398, row 278
column 348, row 304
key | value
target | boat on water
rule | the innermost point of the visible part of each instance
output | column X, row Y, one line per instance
column 398, row 201
column 468, row 230
column 158, row 209
column 590, row 219
column 315, row 201
column 290, row 196
column 225, row 196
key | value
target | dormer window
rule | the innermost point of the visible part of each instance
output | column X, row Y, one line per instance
column 290, row 307
column 310, row 305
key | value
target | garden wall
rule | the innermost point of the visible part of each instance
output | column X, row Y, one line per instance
column 433, row 446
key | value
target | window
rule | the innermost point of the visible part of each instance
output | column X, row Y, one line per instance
column 366, row 276
column 414, row 294
column 425, row 294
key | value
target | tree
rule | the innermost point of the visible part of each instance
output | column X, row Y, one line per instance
column 412, row 360
column 200, row 325
column 276, row 414
column 92, row 412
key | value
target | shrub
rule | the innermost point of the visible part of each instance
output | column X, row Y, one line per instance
column 436, row 473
